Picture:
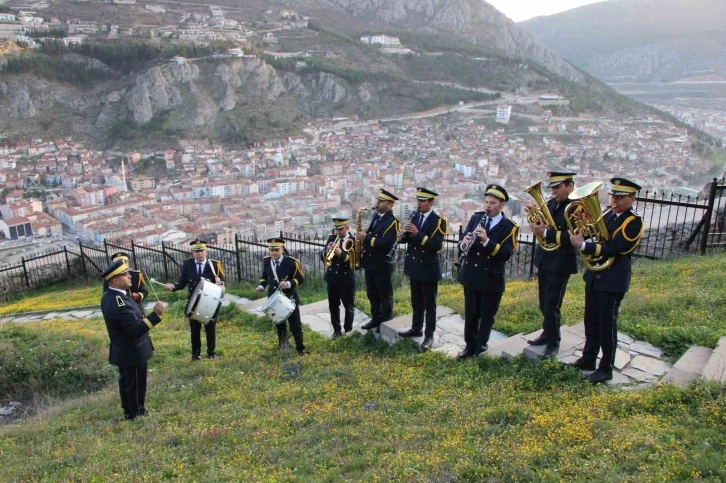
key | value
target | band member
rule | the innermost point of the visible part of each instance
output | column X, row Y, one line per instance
column 193, row 270
column 376, row 243
column 424, row 235
column 490, row 239
column 605, row 289
column 554, row 267
column 128, row 331
column 340, row 275
column 283, row 271
column 138, row 290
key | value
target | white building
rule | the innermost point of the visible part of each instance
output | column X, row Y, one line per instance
column 504, row 112
column 380, row 40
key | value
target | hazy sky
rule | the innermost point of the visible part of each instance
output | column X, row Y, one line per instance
column 519, row 10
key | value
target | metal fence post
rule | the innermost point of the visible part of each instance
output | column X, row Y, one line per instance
column 105, row 249
column 133, row 254
column 707, row 217
column 68, row 262
column 83, row 260
column 236, row 255
column 25, row 272
column 163, row 257
column 531, row 258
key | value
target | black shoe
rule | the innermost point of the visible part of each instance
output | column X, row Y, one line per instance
column 196, row 358
column 284, row 344
column 582, row 364
column 348, row 329
column 143, row 411
column 409, row 333
column 550, row 351
column 301, row 351
column 370, row 325
column 600, row 376
column 336, row 335
column 212, row 356
column 481, row 351
column 427, row 343
column 541, row 340
column 465, row 354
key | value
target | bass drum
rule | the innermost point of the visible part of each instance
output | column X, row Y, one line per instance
column 279, row 307
column 204, row 301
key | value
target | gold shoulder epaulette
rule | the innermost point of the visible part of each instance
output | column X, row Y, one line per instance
column 120, row 301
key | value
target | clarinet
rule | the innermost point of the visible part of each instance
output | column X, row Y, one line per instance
column 465, row 251
column 400, row 237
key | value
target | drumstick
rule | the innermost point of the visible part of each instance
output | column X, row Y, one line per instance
column 151, row 285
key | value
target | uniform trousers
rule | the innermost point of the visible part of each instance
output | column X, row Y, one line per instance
column 336, row 295
column 295, row 328
column 552, row 287
column 210, row 330
column 132, row 387
column 479, row 311
column 380, row 293
column 601, row 326
column 423, row 301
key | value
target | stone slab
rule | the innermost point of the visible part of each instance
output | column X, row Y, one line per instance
column 619, row 379
column 448, row 349
column 715, row 369
column 451, row 339
column 51, row 315
column 577, row 329
column 443, row 311
column 389, row 329
column 652, row 366
column 721, row 346
column 568, row 342
column 452, row 324
column 533, row 335
column 639, row 375
column 81, row 314
column 566, row 358
column 256, row 303
column 694, row 360
column 622, row 359
column 319, row 306
column 495, row 336
column 625, row 338
column 679, row 377
column 508, row 348
column 646, row 349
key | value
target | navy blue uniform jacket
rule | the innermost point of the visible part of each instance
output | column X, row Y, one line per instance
column 128, row 329
column 483, row 269
column 339, row 273
column 378, row 242
column 564, row 259
column 189, row 276
column 290, row 268
column 422, row 252
column 625, row 232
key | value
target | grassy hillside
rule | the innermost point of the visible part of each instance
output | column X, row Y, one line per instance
column 355, row 409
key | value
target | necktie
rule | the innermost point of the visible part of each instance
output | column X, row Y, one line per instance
column 375, row 221
column 488, row 224
column 200, row 268
column 277, row 264
column 419, row 220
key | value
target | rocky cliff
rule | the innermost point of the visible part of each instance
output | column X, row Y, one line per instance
column 473, row 20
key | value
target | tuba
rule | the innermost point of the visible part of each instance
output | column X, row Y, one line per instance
column 358, row 246
column 541, row 214
column 584, row 216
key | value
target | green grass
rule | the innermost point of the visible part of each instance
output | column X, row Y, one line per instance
column 359, row 410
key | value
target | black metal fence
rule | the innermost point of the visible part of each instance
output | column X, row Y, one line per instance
column 674, row 226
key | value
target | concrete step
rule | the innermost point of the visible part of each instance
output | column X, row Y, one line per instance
column 715, row 369
column 568, row 344
column 508, row 348
column 690, row 366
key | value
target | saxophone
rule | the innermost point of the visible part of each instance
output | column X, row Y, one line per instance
column 358, row 246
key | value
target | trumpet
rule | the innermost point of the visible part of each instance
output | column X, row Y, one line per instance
column 465, row 251
column 401, row 235
column 330, row 254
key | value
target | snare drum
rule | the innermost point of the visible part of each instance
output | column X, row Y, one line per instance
column 279, row 306
column 204, row 301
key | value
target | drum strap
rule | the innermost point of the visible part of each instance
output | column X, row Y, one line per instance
column 211, row 265
column 274, row 269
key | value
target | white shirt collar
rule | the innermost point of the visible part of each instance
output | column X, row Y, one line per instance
column 117, row 290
